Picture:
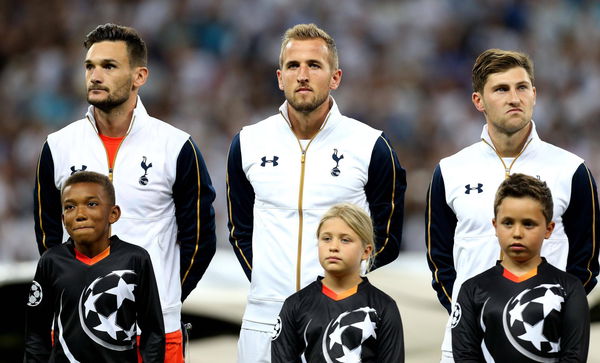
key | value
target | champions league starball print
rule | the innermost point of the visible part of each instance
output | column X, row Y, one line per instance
column 345, row 335
column 35, row 294
column 101, row 310
column 529, row 320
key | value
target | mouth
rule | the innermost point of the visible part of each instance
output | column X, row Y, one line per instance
column 333, row 259
column 92, row 89
column 517, row 247
column 303, row 90
column 515, row 110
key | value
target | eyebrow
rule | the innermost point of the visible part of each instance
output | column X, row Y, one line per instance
column 102, row 61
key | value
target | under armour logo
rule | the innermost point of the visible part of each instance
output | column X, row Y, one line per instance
column 479, row 188
column 144, row 179
column 265, row 161
column 336, row 171
column 73, row 170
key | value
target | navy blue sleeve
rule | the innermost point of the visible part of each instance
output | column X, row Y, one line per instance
column 287, row 344
column 193, row 196
column 39, row 315
column 390, row 342
column 385, row 190
column 575, row 337
column 440, row 225
column 149, row 313
column 580, row 221
column 467, row 334
column 47, row 208
column 240, row 205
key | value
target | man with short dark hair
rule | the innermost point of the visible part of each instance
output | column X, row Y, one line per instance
column 161, row 181
column 461, row 241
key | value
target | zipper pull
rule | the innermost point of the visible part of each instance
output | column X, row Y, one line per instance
column 110, row 174
column 303, row 156
column 506, row 173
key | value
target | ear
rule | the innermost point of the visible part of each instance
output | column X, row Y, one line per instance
column 477, row 99
column 534, row 94
column 494, row 224
column 115, row 214
column 549, row 229
column 367, row 252
column 140, row 75
column 336, row 79
column 279, row 79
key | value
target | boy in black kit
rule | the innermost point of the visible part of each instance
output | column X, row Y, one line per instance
column 93, row 290
column 523, row 309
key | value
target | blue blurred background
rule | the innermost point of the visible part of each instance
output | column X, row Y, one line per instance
column 406, row 70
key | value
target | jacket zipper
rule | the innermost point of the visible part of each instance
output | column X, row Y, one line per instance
column 111, row 170
column 507, row 169
column 300, row 198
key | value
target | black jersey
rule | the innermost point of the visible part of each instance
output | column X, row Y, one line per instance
column 544, row 318
column 95, row 307
column 362, row 327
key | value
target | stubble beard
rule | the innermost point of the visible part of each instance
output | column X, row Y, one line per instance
column 306, row 106
column 112, row 100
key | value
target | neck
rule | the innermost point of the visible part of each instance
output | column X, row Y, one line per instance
column 306, row 125
column 519, row 268
column 91, row 250
column 509, row 145
column 341, row 283
column 115, row 122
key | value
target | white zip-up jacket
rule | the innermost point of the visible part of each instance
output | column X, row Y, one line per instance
column 162, row 186
column 460, row 237
column 278, row 187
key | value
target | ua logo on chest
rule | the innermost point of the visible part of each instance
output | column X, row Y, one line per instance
column 273, row 161
column 336, row 170
column 478, row 188
column 74, row 170
column 144, row 179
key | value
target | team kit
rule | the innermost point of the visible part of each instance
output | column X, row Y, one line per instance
column 125, row 223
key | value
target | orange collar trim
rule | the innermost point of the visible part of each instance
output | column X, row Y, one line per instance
column 90, row 261
column 514, row 278
column 337, row 297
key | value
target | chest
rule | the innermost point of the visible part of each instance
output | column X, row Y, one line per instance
column 320, row 173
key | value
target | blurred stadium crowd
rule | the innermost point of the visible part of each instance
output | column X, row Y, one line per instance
column 406, row 70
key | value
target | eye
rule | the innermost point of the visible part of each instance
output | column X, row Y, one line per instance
column 315, row 66
column 325, row 238
column 92, row 204
column 346, row 240
column 109, row 66
column 507, row 223
column 69, row 207
column 89, row 67
column 501, row 89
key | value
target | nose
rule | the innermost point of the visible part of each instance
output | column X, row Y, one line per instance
column 334, row 245
column 302, row 74
column 80, row 216
column 518, row 232
column 95, row 76
column 514, row 98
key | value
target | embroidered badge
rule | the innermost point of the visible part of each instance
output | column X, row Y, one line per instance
column 144, row 179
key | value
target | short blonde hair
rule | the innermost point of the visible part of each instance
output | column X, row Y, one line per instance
column 306, row 32
column 358, row 220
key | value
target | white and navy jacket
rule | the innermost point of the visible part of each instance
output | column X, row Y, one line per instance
column 162, row 186
column 278, row 187
column 460, row 238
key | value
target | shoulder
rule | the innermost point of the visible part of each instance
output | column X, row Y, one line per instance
column 70, row 129
column 559, row 155
column 467, row 154
column 270, row 124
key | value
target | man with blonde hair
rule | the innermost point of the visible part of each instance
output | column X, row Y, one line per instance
column 461, row 241
column 284, row 172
